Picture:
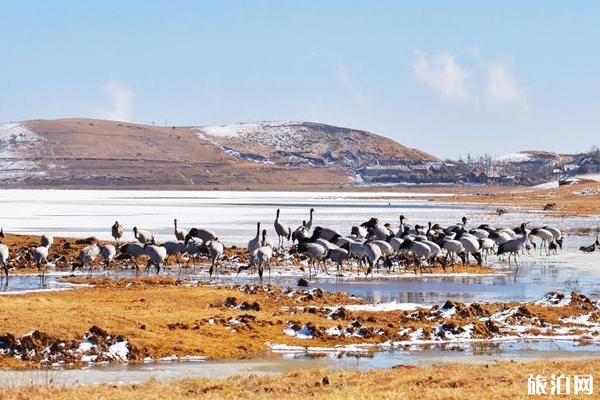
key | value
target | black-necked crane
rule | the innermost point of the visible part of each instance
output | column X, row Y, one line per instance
column 556, row 233
column 301, row 233
column 47, row 240
column 117, row 232
column 545, row 235
column 338, row 256
column 174, row 248
column 314, row 251
column 377, row 229
column 133, row 250
column 265, row 241
column 373, row 255
column 179, row 233
column 205, row 234
column 193, row 247
column 472, row 246
column 108, row 253
column 359, row 232
column 40, row 256
column 144, row 237
column 4, row 254
column 88, row 255
column 259, row 258
column 308, row 225
column 254, row 243
column 283, row 231
column 420, row 250
column 156, row 256
column 513, row 246
column 453, row 248
column 216, row 251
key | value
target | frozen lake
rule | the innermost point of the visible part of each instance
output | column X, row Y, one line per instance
column 233, row 215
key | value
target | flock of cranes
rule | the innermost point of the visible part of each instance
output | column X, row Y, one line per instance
column 370, row 244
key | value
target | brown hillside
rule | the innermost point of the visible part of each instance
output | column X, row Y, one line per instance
column 86, row 153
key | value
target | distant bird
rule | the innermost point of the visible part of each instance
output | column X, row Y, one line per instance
column 4, row 254
column 87, row 256
column 180, row 234
column 283, row 231
column 2, row 235
column 205, row 234
column 588, row 249
column 591, row 248
column 117, row 232
column 108, row 252
column 309, row 223
column 47, row 240
column 254, row 243
column 216, row 250
column 156, row 256
column 144, row 237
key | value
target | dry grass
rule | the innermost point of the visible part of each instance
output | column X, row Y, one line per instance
column 568, row 199
column 494, row 381
column 162, row 320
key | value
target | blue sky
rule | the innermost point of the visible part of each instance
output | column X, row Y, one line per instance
column 451, row 78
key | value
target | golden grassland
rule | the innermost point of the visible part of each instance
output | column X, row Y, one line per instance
column 160, row 316
column 578, row 199
column 506, row 380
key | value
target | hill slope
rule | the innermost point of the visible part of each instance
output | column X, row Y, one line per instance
column 85, row 153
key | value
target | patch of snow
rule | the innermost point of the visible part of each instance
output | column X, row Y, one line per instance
column 416, row 335
column 15, row 141
column 85, row 347
column 383, row 307
column 547, row 185
column 236, row 130
column 89, row 359
column 553, row 300
column 303, row 333
column 334, row 331
column 514, row 157
column 119, row 350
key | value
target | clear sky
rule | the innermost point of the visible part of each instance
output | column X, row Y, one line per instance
column 449, row 77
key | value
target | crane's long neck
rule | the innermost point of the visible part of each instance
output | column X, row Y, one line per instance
column 258, row 229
